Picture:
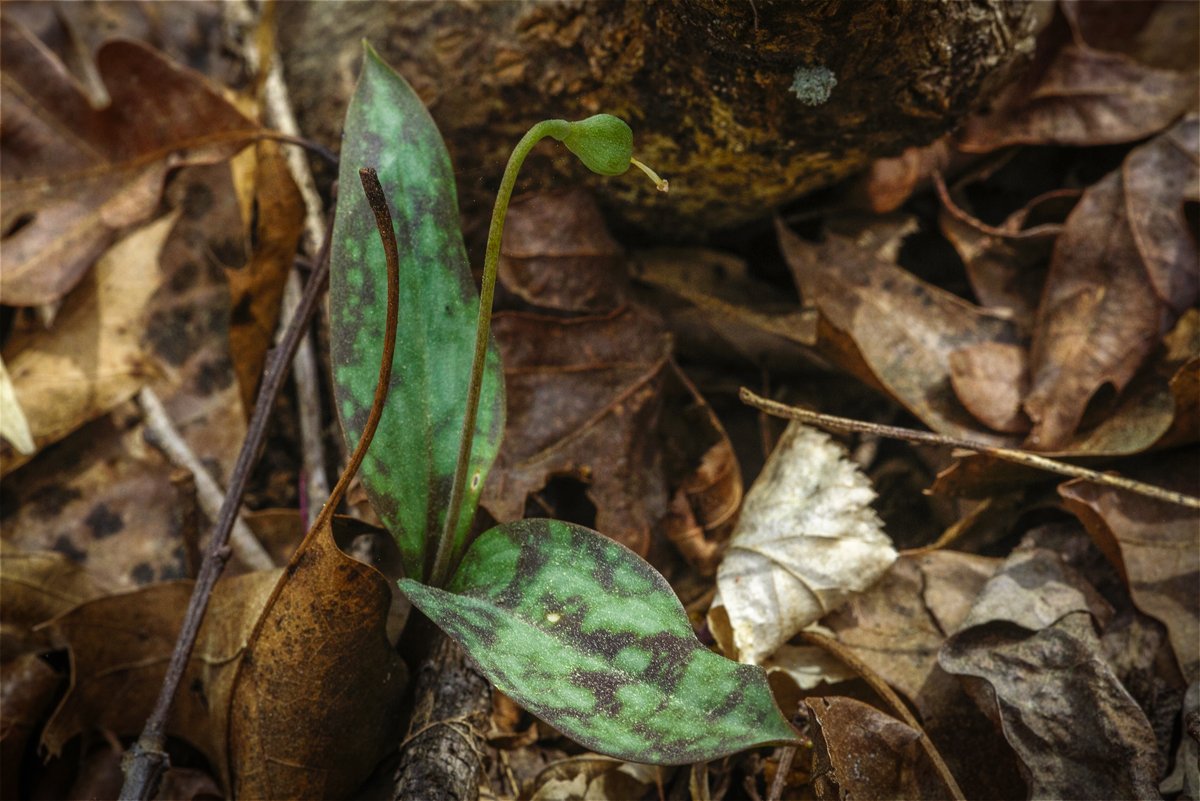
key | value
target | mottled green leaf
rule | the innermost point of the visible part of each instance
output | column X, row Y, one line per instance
column 410, row 465
column 589, row 637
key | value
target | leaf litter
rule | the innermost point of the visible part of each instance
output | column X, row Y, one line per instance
column 1033, row 670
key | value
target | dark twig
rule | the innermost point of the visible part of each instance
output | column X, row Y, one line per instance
column 146, row 761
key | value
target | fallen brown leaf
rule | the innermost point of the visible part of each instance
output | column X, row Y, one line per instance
column 1006, row 264
column 557, row 254
column 34, row 587
column 897, row 627
column 1083, row 97
column 1123, row 271
column 1030, row 657
column 584, row 396
column 290, row 690
column 861, row 753
column 73, row 176
column 898, row 328
column 1153, row 544
column 991, row 378
column 316, row 693
column 720, row 313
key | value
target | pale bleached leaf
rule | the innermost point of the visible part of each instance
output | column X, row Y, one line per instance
column 14, row 427
column 807, row 539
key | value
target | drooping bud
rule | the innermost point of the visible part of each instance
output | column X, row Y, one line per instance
column 604, row 143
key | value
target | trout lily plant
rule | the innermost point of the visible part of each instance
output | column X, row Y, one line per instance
column 573, row 626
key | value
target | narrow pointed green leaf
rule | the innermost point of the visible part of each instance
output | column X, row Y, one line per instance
column 410, row 465
column 589, row 637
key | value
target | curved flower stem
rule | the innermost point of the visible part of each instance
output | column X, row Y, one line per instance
column 444, row 560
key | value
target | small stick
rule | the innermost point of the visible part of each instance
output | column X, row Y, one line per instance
column 781, row 773
column 887, row 694
column 145, row 762
column 1007, row 454
column 163, row 434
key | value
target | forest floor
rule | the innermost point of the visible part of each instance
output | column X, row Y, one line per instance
column 938, row 619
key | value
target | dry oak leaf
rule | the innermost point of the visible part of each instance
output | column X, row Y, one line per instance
column 1031, row 659
column 73, row 175
column 1083, row 97
column 892, row 330
column 807, row 540
column 94, row 358
column 1123, row 271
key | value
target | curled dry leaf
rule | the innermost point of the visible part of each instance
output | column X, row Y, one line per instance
column 1123, row 271
column 273, row 216
column 1083, row 97
column 292, row 686
column 313, row 700
column 1153, row 544
column 583, row 401
column 73, row 175
column 806, row 541
column 94, row 358
column 1030, row 657
column 893, row 330
column 704, row 471
column 861, row 753
column 1006, row 264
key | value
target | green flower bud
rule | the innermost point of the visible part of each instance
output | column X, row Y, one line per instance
column 604, row 143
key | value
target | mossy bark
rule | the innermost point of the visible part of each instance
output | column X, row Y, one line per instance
column 742, row 104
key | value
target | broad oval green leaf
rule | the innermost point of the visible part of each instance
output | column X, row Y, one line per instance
column 585, row 634
column 410, row 465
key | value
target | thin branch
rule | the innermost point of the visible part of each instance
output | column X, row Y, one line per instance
column 1007, row 454
column 146, row 761
column 163, row 434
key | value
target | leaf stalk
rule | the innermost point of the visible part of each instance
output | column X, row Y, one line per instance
column 445, row 558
